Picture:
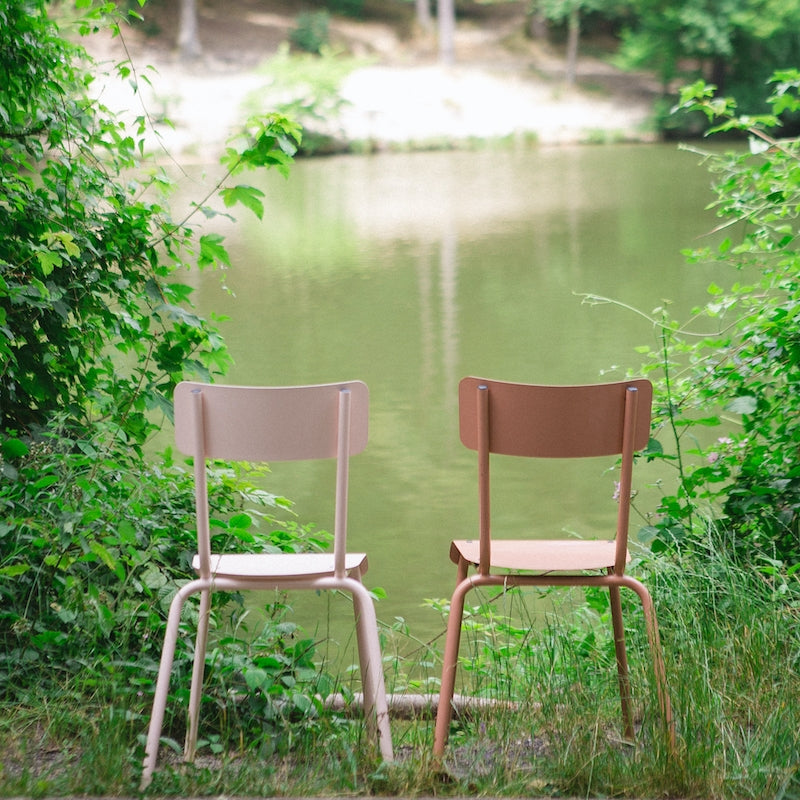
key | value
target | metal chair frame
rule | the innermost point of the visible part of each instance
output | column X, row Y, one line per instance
column 246, row 423
column 552, row 422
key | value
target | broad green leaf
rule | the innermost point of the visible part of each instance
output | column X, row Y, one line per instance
column 48, row 261
column 13, row 448
column 180, row 314
column 48, row 637
column 14, row 570
column 126, row 532
column 153, row 577
column 248, row 196
column 302, row 703
column 746, row 404
column 243, row 521
column 104, row 555
column 256, row 678
column 68, row 243
column 212, row 251
column 654, row 447
column 44, row 482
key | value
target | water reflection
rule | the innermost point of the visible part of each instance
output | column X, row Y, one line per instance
column 410, row 271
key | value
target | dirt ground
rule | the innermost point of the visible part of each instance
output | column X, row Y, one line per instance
column 501, row 85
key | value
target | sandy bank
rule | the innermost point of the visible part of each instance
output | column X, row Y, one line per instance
column 390, row 104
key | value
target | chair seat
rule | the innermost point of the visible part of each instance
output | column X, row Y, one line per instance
column 542, row 555
column 279, row 565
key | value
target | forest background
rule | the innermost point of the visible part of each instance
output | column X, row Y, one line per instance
column 97, row 328
column 551, row 69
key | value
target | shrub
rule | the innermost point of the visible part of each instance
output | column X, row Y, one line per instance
column 311, row 33
column 349, row 8
column 96, row 329
column 727, row 410
column 93, row 322
column 87, row 578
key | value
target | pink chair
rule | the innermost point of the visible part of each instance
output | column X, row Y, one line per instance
column 552, row 422
column 244, row 423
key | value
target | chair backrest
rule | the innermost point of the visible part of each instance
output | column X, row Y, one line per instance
column 262, row 423
column 530, row 420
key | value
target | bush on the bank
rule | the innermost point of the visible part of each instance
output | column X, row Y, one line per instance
column 728, row 405
column 96, row 328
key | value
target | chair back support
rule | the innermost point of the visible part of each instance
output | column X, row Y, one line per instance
column 261, row 423
column 554, row 422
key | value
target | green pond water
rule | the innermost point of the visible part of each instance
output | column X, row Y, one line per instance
column 410, row 271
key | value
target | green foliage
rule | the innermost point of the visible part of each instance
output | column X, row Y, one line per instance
column 732, row 650
column 96, row 328
column 95, row 543
column 92, row 319
column 728, row 407
column 306, row 88
column 558, row 11
column 732, row 647
column 738, row 43
column 511, row 634
column 348, row 8
column 311, row 33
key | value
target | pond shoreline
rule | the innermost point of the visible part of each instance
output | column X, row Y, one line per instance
column 403, row 98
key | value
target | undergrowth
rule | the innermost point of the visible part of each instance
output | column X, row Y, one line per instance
column 732, row 646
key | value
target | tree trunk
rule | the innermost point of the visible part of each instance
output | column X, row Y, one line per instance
column 424, row 19
column 188, row 38
column 446, row 12
column 536, row 28
column 573, row 36
column 719, row 73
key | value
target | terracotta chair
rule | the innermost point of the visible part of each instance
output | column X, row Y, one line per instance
column 243, row 423
column 551, row 422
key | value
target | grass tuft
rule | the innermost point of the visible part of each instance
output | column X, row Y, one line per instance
column 732, row 645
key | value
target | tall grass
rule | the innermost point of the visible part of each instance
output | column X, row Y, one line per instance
column 731, row 639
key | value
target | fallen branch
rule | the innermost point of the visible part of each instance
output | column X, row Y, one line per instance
column 412, row 705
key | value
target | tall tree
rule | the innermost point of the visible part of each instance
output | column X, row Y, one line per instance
column 446, row 17
column 424, row 19
column 573, row 40
column 188, row 31
column 734, row 43
column 536, row 26
column 567, row 12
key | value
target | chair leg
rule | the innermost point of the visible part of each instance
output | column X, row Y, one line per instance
column 622, row 662
column 376, row 707
column 651, row 623
column 198, row 671
column 162, row 683
column 444, row 711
